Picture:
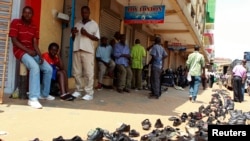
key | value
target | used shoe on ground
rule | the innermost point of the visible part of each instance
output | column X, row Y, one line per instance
column 158, row 124
column 123, row 128
column 146, row 124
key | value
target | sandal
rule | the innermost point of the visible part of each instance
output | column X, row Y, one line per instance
column 67, row 97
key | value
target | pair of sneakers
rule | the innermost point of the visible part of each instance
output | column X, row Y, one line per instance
column 85, row 97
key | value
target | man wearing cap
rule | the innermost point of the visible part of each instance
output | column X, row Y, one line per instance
column 196, row 67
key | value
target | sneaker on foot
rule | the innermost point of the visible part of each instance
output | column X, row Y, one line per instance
column 35, row 104
column 87, row 97
column 49, row 97
column 76, row 94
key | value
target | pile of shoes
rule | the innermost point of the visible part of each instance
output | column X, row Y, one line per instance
column 123, row 133
column 159, row 132
column 219, row 109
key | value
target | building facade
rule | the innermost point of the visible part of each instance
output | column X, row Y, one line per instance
column 183, row 26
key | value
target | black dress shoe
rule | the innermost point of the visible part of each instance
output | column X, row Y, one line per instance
column 153, row 97
column 192, row 123
column 133, row 133
column 152, row 136
column 36, row 139
column 126, row 90
column 201, row 108
column 76, row 138
column 184, row 116
column 95, row 135
column 177, row 122
column 158, row 124
column 60, row 138
column 146, row 124
column 123, row 128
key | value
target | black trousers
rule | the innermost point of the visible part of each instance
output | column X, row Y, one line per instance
column 237, row 89
column 155, row 81
column 204, row 82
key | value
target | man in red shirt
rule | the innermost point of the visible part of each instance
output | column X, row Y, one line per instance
column 24, row 36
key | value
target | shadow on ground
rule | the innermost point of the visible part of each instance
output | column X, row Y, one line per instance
column 109, row 100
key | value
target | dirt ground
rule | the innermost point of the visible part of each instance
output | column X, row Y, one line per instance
column 108, row 110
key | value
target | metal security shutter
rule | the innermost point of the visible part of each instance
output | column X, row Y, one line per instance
column 109, row 24
column 5, row 19
column 142, row 37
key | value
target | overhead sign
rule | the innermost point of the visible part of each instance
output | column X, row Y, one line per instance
column 144, row 14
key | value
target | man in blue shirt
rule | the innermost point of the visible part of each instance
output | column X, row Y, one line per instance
column 158, row 54
column 103, row 56
column 122, row 60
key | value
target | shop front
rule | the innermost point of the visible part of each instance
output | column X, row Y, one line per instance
column 109, row 14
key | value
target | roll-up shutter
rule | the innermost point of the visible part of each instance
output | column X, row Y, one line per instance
column 5, row 19
column 142, row 37
column 109, row 24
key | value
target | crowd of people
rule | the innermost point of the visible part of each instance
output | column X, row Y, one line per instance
column 114, row 58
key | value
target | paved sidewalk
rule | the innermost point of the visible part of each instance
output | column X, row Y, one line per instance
column 108, row 110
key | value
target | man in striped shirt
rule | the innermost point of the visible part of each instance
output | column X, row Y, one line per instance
column 24, row 36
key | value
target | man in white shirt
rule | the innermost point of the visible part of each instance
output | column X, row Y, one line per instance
column 84, row 33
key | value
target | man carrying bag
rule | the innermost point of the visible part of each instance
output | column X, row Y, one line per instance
column 196, row 67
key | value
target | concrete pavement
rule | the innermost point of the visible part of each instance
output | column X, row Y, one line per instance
column 108, row 110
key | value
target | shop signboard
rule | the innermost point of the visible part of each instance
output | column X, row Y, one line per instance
column 144, row 14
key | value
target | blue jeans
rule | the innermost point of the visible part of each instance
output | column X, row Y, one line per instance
column 35, row 89
column 194, row 86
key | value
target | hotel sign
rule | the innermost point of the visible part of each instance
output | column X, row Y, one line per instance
column 144, row 14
